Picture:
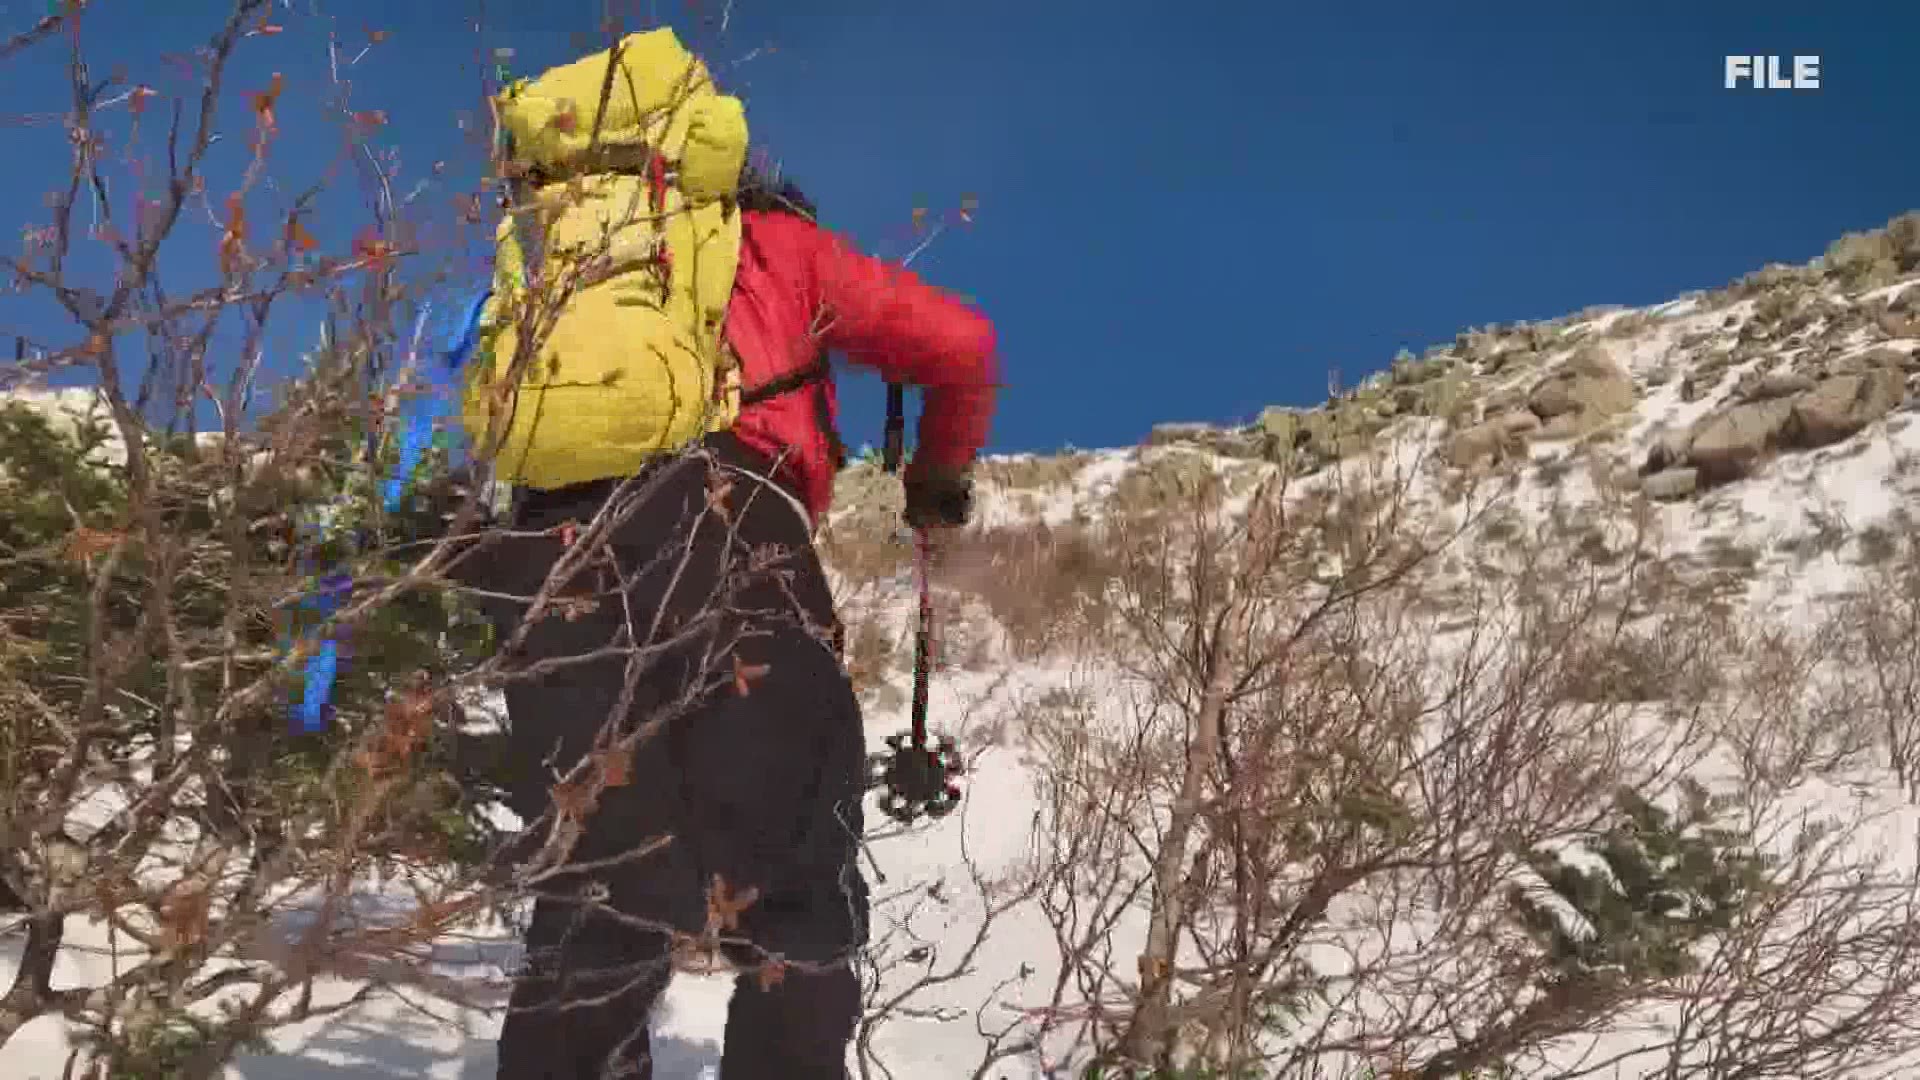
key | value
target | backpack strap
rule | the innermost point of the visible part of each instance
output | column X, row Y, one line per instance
column 796, row 379
column 799, row 379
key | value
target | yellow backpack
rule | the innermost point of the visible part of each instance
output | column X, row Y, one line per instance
column 637, row 230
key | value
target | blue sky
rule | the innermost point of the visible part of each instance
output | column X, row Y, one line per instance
column 1185, row 211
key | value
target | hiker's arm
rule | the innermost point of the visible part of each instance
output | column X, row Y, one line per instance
column 886, row 318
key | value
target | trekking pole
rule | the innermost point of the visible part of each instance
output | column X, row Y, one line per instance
column 916, row 779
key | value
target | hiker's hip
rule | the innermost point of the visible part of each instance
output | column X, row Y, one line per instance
column 687, row 533
column 760, row 782
column 540, row 507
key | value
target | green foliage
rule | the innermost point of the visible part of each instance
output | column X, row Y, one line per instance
column 66, row 513
column 1670, row 881
column 163, row 1048
column 51, row 495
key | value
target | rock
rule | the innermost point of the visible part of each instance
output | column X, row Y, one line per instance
column 1726, row 445
column 1848, row 319
column 1448, row 397
column 1481, row 442
column 1406, row 371
column 1859, row 363
column 1843, row 405
column 1896, row 325
column 1169, row 434
column 1887, row 357
column 1698, row 384
column 1474, row 345
column 1590, row 382
column 1517, row 424
column 1772, row 385
column 1282, row 430
column 1342, row 427
column 1494, row 439
column 1509, row 360
column 1227, row 442
column 1569, row 425
column 1797, row 322
column 1278, row 419
column 1706, row 374
column 1288, row 436
column 1669, row 450
column 1244, row 443
column 1671, row 484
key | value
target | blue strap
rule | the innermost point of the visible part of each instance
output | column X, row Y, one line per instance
column 419, row 417
column 462, row 347
column 321, row 668
column 423, row 412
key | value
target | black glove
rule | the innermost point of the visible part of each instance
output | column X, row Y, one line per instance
column 938, row 497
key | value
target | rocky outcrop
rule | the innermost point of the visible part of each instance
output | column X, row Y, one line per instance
column 1309, row 438
column 1728, row 444
column 1586, row 388
column 1840, row 407
column 1789, row 411
column 1227, row 442
column 1768, row 386
column 1502, row 436
column 1671, row 484
column 1784, row 361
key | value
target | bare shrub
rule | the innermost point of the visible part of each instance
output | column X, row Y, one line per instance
column 1043, row 585
column 1354, row 844
column 1876, row 545
column 861, row 538
column 1880, row 631
column 1033, row 471
column 153, row 628
column 1162, row 482
column 872, row 654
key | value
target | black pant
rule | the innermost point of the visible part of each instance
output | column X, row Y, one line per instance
column 761, row 790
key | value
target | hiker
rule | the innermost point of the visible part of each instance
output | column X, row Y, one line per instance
column 757, row 771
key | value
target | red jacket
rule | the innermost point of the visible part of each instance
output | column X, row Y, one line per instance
column 800, row 289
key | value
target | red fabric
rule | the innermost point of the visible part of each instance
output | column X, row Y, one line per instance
column 800, row 288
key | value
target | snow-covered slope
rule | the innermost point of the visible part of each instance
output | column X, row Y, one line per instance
column 1771, row 420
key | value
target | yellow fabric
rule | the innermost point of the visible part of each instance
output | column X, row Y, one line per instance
column 632, row 365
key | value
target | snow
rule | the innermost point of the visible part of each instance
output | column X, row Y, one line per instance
column 970, row 858
column 387, row 1037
